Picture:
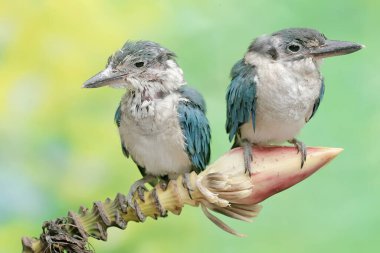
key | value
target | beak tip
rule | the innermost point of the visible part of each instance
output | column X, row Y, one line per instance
column 93, row 83
column 86, row 85
column 358, row 46
column 101, row 79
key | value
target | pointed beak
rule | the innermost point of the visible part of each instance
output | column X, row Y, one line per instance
column 103, row 78
column 335, row 48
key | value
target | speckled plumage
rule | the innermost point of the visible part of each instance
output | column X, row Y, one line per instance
column 153, row 137
column 161, row 121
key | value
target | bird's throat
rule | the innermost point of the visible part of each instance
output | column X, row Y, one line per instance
column 140, row 103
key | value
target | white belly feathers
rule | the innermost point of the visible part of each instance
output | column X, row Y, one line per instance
column 156, row 141
column 286, row 92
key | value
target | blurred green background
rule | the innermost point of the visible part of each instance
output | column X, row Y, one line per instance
column 59, row 148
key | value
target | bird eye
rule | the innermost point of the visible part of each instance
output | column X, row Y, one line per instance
column 139, row 64
column 294, row 48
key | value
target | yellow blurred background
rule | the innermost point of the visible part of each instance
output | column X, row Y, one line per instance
column 59, row 148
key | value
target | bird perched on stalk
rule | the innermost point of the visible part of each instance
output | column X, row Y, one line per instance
column 277, row 88
column 161, row 120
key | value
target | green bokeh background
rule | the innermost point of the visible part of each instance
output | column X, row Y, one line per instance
column 59, row 148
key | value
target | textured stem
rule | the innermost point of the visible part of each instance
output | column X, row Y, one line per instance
column 70, row 234
column 223, row 187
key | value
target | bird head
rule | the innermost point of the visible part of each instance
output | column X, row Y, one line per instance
column 300, row 43
column 138, row 65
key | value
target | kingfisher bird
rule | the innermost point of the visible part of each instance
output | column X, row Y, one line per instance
column 161, row 120
column 277, row 88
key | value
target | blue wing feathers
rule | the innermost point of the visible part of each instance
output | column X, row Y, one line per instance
column 195, row 128
column 318, row 100
column 194, row 96
column 125, row 151
column 117, row 119
column 241, row 98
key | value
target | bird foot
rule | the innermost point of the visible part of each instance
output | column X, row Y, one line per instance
column 301, row 148
column 161, row 210
column 163, row 184
column 139, row 188
column 187, row 184
column 248, row 157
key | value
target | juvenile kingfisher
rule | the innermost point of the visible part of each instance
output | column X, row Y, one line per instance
column 161, row 120
column 277, row 88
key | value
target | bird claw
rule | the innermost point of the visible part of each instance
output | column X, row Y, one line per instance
column 159, row 207
column 248, row 157
column 301, row 148
column 187, row 184
column 139, row 187
column 140, row 191
column 163, row 184
column 138, row 211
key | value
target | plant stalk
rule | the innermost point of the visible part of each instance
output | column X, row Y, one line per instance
column 223, row 187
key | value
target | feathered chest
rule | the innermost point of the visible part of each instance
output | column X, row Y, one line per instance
column 287, row 90
column 149, row 113
column 151, row 133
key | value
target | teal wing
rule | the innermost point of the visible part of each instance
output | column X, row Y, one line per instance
column 195, row 127
column 117, row 121
column 241, row 98
column 318, row 100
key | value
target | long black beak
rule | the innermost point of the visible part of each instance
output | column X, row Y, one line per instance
column 335, row 48
column 103, row 78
